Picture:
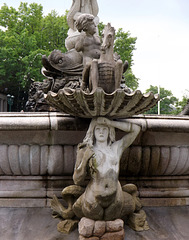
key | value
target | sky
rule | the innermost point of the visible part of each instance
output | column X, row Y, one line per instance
column 162, row 30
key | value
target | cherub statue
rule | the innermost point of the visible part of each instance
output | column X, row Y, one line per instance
column 88, row 42
column 79, row 7
column 105, row 69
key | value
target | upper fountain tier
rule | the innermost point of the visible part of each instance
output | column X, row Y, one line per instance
column 118, row 104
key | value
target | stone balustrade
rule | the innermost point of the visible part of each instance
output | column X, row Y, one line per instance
column 38, row 152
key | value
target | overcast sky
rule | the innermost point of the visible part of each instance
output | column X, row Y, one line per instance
column 162, row 31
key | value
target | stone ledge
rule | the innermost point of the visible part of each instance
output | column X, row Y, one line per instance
column 22, row 202
column 60, row 121
column 168, row 223
column 153, row 191
column 165, row 202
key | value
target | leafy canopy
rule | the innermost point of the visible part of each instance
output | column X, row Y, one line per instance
column 167, row 101
column 27, row 35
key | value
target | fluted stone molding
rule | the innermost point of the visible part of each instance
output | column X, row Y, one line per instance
column 155, row 161
column 36, row 160
column 37, row 144
column 57, row 160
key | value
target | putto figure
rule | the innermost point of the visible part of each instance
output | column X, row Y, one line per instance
column 78, row 8
column 88, row 42
column 101, row 68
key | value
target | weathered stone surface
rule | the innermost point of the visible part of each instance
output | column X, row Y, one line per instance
column 13, row 153
column 78, row 98
column 46, row 129
column 167, row 223
column 67, row 226
column 137, row 221
column 99, row 228
column 35, row 157
column 23, row 202
column 86, row 227
column 90, row 238
column 114, row 235
column 30, row 224
column 69, row 160
column 114, row 226
column 164, row 134
column 103, row 230
column 103, row 198
column 56, row 159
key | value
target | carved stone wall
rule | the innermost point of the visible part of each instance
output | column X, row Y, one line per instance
column 57, row 160
column 38, row 151
column 36, row 160
column 156, row 161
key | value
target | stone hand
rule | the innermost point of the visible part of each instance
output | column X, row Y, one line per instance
column 103, row 120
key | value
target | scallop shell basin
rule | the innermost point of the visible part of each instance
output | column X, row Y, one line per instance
column 118, row 104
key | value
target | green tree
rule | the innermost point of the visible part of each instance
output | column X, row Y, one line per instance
column 124, row 46
column 182, row 103
column 27, row 36
column 101, row 26
column 167, row 101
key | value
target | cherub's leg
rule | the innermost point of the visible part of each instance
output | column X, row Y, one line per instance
column 85, row 77
column 94, row 74
column 118, row 73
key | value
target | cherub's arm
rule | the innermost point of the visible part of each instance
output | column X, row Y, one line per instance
column 79, row 43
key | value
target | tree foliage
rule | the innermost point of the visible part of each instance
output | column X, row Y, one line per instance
column 182, row 103
column 27, row 35
column 167, row 101
column 124, row 46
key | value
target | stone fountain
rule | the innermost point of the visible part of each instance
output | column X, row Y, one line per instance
column 91, row 74
column 41, row 154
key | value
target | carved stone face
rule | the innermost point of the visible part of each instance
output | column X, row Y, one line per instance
column 91, row 28
column 101, row 133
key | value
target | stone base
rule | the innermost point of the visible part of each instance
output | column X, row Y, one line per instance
column 101, row 230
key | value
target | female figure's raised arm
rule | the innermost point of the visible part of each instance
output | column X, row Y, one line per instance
column 131, row 129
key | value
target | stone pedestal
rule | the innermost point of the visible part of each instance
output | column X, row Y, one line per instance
column 101, row 230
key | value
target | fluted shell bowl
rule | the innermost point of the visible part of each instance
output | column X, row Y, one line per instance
column 118, row 104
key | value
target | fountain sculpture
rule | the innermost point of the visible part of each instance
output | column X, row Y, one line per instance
column 89, row 77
